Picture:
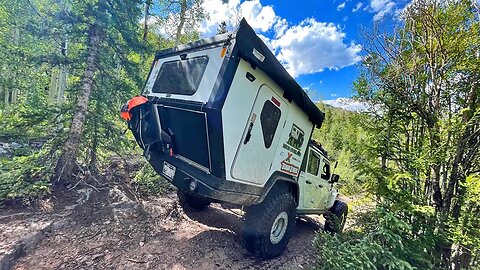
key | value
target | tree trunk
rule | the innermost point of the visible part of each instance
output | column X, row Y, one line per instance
column 435, row 168
column 92, row 163
column 6, row 101
column 15, row 90
column 456, row 174
column 182, row 21
column 66, row 164
column 145, row 22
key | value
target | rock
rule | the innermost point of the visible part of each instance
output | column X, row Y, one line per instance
column 15, row 145
column 83, row 259
column 97, row 256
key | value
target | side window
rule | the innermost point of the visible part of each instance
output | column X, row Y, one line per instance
column 313, row 163
column 325, row 171
column 269, row 118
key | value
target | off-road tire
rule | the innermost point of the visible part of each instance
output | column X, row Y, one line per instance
column 192, row 201
column 336, row 217
column 259, row 222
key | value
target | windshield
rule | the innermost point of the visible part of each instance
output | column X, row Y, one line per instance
column 180, row 77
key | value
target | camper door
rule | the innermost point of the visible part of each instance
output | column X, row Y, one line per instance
column 260, row 138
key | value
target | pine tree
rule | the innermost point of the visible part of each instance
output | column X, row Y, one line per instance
column 222, row 28
column 111, row 30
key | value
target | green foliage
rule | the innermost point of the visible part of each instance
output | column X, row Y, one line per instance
column 38, row 38
column 28, row 176
column 466, row 230
column 420, row 156
column 148, row 183
column 341, row 134
column 384, row 241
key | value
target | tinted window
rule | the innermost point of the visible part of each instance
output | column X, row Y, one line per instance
column 313, row 163
column 325, row 171
column 269, row 118
column 180, row 77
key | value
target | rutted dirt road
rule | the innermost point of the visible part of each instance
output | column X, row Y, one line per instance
column 110, row 230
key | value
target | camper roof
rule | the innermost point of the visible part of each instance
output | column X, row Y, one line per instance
column 252, row 49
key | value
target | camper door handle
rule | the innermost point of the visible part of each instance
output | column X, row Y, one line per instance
column 308, row 182
column 249, row 133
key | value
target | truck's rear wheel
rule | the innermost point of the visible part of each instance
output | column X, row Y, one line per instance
column 336, row 217
column 269, row 225
column 192, row 201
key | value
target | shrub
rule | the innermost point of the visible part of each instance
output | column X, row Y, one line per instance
column 148, row 183
column 383, row 241
column 24, row 177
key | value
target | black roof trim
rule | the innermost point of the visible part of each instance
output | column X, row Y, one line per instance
column 318, row 146
column 246, row 42
column 207, row 42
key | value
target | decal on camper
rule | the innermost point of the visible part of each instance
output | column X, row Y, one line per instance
column 295, row 140
column 287, row 167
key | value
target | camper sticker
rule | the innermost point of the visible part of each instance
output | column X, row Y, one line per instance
column 287, row 167
column 295, row 140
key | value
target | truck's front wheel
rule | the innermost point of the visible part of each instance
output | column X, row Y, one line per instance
column 192, row 201
column 269, row 225
column 336, row 217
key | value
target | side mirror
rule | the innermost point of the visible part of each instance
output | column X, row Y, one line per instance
column 335, row 178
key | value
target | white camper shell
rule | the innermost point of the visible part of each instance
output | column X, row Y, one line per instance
column 225, row 122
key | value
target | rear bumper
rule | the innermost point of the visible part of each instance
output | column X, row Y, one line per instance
column 207, row 185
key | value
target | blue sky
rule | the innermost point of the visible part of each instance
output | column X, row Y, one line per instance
column 318, row 41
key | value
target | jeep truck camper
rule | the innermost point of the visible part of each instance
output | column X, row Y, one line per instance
column 223, row 121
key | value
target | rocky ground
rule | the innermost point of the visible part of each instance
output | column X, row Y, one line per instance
column 110, row 228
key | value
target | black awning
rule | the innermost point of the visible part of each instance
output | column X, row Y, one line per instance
column 249, row 45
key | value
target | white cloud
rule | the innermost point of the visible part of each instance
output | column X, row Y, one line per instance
column 347, row 104
column 312, row 46
column 281, row 26
column 305, row 48
column 341, row 6
column 267, row 41
column 218, row 12
column 381, row 8
column 261, row 18
column 357, row 7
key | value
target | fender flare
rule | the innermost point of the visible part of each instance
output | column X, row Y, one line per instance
column 276, row 178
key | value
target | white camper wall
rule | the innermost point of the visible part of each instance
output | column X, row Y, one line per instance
column 235, row 117
column 206, row 84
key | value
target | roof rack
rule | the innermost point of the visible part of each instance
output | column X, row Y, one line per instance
column 319, row 147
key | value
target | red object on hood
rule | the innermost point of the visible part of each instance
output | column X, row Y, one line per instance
column 132, row 103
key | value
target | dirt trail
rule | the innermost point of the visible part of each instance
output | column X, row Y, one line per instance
column 113, row 231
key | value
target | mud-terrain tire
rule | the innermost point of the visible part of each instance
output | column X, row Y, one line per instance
column 336, row 217
column 269, row 225
column 192, row 201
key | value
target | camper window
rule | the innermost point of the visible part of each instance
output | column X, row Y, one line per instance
column 269, row 118
column 181, row 77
